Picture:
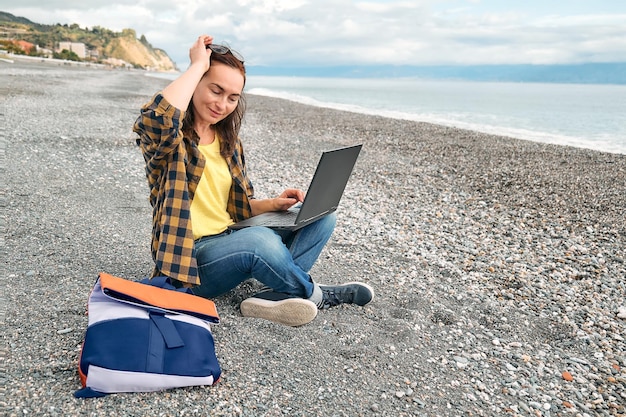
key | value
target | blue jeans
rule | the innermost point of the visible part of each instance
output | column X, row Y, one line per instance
column 280, row 260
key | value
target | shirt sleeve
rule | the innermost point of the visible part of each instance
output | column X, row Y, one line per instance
column 159, row 129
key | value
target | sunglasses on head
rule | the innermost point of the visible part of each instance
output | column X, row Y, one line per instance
column 223, row 50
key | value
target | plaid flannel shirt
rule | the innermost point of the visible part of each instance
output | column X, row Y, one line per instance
column 174, row 166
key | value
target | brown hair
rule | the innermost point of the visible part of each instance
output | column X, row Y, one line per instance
column 228, row 128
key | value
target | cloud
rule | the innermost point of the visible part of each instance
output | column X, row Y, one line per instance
column 347, row 32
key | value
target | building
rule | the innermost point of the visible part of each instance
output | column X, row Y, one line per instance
column 27, row 47
column 48, row 53
column 79, row 48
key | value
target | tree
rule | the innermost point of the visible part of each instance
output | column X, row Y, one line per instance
column 129, row 33
column 11, row 47
column 67, row 55
column 144, row 41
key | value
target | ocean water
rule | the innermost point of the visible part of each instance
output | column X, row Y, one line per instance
column 581, row 115
column 589, row 116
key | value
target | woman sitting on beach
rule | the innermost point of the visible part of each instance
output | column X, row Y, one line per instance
column 195, row 165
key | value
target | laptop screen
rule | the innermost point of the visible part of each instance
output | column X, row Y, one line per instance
column 329, row 182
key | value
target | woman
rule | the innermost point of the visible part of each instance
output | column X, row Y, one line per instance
column 195, row 165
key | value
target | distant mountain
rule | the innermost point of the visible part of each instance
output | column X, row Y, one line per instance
column 593, row 73
column 102, row 43
column 8, row 17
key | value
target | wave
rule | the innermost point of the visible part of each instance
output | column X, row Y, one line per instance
column 502, row 125
column 603, row 143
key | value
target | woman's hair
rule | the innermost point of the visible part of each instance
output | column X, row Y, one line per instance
column 228, row 128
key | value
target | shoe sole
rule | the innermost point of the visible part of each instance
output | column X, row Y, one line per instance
column 371, row 290
column 291, row 312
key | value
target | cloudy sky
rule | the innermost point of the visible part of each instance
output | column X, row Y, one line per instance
column 340, row 32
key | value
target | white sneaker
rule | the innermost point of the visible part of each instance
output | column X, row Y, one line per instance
column 280, row 308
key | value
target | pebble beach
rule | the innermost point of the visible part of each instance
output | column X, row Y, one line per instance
column 499, row 264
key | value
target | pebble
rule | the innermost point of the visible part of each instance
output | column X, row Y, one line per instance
column 517, row 246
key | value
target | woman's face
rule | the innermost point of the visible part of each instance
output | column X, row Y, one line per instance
column 217, row 94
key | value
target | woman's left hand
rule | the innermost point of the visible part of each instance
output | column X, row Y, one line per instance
column 288, row 198
column 283, row 202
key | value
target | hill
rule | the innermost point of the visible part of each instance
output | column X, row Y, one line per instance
column 101, row 44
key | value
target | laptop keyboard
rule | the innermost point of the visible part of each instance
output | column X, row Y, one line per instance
column 279, row 219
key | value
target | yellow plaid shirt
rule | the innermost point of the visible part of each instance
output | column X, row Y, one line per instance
column 174, row 166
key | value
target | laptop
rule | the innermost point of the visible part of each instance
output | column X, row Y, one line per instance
column 322, row 198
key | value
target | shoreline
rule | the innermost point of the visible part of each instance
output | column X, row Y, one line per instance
column 514, row 133
column 10, row 58
column 498, row 263
column 611, row 146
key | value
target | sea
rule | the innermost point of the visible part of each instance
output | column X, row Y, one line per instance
column 591, row 116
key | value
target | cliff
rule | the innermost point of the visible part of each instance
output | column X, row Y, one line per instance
column 100, row 44
column 138, row 52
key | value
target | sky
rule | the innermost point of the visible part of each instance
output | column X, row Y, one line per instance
column 369, row 32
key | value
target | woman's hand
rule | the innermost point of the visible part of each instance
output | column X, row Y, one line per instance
column 283, row 202
column 180, row 91
column 288, row 198
column 199, row 53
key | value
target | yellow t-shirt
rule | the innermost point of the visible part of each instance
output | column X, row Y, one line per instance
column 208, row 208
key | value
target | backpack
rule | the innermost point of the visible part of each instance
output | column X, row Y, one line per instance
column 146, row 336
